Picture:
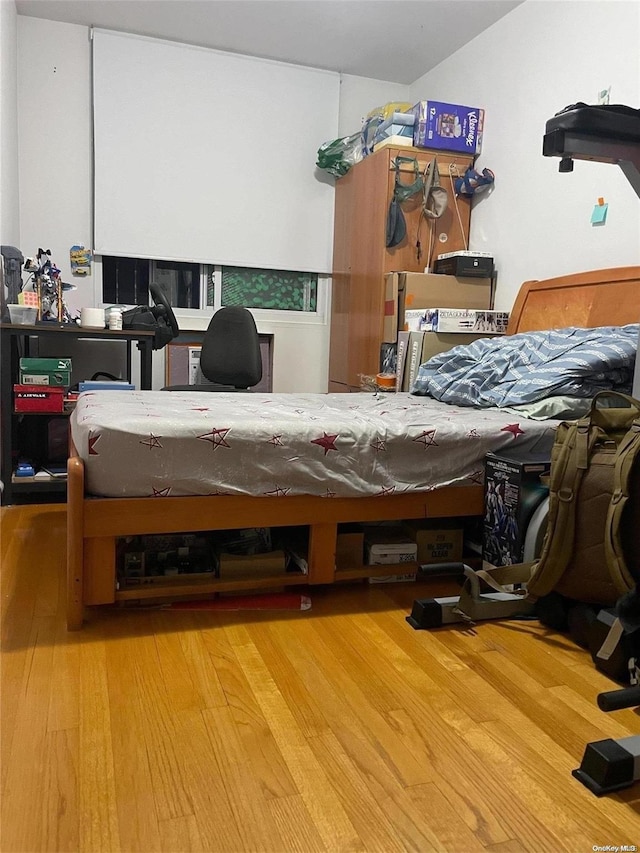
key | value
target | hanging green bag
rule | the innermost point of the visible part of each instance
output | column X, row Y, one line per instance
column 396, row 224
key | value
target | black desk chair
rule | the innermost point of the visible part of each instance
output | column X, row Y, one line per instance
column 230, row 359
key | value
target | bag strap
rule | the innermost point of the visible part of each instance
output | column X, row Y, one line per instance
column 628, row 399
column 628, row 403
column 402, row 192
column 567, row 471
column 495, row 577
column 614, row 635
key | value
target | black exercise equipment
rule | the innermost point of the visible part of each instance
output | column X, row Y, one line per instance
column 608, row 133
column 474, row 602
column 611, row 765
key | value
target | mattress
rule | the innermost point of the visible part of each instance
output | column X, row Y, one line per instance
column 156, row 444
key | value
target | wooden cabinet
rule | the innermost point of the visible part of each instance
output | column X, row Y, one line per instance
column 361, row 259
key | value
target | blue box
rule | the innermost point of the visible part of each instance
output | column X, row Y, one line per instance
column 450, row 127
column 97, row 385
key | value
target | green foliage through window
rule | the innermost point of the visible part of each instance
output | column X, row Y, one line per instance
column 275, row 289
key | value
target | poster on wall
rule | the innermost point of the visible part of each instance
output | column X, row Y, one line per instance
column 80, row 260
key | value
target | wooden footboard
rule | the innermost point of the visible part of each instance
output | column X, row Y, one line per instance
column 94, row 525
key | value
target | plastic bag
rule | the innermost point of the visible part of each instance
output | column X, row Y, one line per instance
column 339, row 155
column 389, row 109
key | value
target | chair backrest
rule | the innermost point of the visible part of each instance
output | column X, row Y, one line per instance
column 231, row 349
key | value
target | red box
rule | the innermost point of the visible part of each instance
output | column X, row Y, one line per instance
column 38, row 398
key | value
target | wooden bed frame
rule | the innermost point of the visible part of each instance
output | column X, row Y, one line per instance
column 597, row 298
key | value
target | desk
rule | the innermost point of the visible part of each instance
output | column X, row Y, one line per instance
column 11, row 336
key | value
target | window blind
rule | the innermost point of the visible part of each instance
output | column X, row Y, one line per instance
column 206, row 156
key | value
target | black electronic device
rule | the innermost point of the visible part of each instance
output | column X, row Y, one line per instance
column 158, row 318
column 465, row 266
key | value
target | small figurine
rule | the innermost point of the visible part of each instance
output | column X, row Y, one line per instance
column 49, row 286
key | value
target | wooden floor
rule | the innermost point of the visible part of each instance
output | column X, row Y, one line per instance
column 336, row 729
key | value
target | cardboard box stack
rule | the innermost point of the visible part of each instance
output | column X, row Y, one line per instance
column 42, row 385
column 457, row 320
column 349, row 546
column 396, row 130
column 410, row 294
column 437, row 541
column 258, row 565
column 45, row 371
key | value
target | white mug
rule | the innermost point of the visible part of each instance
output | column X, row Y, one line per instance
column 92, row 318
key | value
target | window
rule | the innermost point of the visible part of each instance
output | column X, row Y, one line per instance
column 180, row 282
column 125, row 281
column 259, row 288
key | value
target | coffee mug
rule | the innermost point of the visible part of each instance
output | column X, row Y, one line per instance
column 92, row 318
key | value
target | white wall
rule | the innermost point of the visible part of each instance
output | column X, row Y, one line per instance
column 535, row 61
column 55, row 176
column 55, row 144
column 9, row 205
column 360, row 95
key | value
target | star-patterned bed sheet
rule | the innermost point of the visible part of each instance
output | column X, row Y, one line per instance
column 155, row 443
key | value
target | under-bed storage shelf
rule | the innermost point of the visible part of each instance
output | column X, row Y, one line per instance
column 95, row 525
column 198, row 587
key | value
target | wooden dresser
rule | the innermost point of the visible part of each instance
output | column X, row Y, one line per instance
column 361, row 259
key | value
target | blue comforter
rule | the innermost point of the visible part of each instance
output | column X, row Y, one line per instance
column 528, row 367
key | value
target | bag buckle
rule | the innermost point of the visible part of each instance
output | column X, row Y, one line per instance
column 565, row 494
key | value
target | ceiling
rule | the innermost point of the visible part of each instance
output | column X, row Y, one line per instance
column 394, row 40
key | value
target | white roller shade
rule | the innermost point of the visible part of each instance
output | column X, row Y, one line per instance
column 208, row 156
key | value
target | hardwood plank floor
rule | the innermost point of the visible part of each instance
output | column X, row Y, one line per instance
column 336, row 729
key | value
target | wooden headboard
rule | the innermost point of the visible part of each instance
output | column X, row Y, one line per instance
column 587, row 299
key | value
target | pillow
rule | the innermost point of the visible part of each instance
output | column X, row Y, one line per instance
column 561, row 408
